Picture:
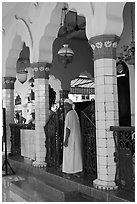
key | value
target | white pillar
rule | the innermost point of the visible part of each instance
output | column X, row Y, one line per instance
column 106, row 108
column 41, row 75
column 8, row 103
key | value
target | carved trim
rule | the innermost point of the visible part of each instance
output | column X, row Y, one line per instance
column 8, row 82
column 109, row 186
column 104, row 46
column 41, row 72
column 40, row 164
column 106, row 188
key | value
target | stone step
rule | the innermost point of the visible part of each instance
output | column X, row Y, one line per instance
column 27, row 192
column 80, row 197
column 14, row 197
column 53, row 190
column 33, row 190
column 55, row 179
column 60, row 192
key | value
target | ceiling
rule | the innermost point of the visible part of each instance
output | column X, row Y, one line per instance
column 74, row 28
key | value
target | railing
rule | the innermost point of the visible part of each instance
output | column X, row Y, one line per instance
column 89, row 141
column 54, row 138
column 54, row 129
column 124, row 157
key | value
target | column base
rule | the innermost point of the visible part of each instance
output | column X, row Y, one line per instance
column 39, row 164
column 105, row 185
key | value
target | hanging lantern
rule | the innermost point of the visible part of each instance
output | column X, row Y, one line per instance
column 21, row 66
column 65, row 54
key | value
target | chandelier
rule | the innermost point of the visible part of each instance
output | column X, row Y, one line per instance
column 128, row 54
column 65, row 54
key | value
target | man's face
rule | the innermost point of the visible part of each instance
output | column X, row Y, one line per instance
column 67, row 106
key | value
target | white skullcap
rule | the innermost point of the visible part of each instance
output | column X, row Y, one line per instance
column 68, row 101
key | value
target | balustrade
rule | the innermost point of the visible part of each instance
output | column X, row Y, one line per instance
column 124, row 157
column 54, row 138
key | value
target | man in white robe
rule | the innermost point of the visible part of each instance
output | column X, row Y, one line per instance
column 72, row 151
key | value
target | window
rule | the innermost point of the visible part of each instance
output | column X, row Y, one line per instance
column 87, row 97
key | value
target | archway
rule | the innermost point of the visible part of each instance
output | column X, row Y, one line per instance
column 123, row 94
column 9, row 68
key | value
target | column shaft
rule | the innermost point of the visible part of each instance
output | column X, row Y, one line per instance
column 106, row 111
column 41, row 75
column 41, row 116
column 106, row 108
column 8, row 103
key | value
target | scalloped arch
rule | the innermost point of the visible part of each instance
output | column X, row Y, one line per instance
column 21, row 28
column 51, row 29
column 85, row 9
column 14, row 39
column 50, row 33
column 9, row 68
column 92, row 15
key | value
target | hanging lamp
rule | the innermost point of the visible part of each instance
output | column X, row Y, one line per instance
column 21, row 66
column 65, row 54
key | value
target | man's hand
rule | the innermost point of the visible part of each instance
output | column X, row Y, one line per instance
column 65, row 143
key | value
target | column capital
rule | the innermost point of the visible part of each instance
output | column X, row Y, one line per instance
column 41, row 70
column 8, row 82
column 104, row 46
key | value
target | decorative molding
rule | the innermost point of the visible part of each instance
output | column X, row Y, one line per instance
column 8, row 82
column 39, row 164
column 107, row 186
column 104, row 46
column 41, row 70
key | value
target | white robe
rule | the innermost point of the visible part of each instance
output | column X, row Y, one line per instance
column 72, row 154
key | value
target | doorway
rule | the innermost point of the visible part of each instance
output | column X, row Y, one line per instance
column 123, row 94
